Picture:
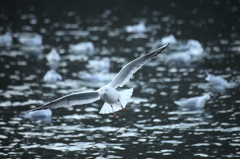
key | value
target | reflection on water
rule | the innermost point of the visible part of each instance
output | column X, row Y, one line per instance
column 152, row 125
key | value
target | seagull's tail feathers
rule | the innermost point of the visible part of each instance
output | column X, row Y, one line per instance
column 106, row 109
column 124, row 98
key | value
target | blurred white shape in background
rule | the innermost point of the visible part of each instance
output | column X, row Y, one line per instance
column 169, row 39
column 194, row 47
column 44, row 115
column 53, row 56
column 52, row 76
column 30, row 39
column 6, row 39
column 100, row 65
column 138, row 28
column 180, row 57
column 83, row 47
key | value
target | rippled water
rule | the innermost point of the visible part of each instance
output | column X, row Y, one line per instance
column 152, row 125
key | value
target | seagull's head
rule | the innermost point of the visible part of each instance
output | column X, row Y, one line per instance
column 104, row 90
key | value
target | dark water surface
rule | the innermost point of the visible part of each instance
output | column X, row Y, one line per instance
column 152, row 125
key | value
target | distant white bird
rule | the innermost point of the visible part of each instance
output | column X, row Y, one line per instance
column 216, row 80
column 138, row 28
column 52, row 76
column 100, row 65
column 6, row 39
column 53, row 56
column 30, row 39
column 114, row 100
column 83, row 47
column 194, row 102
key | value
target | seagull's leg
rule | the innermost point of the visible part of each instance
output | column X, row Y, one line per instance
column 115, row 115
column 121, row 105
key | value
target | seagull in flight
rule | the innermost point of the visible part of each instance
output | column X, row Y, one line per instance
column 114, row 100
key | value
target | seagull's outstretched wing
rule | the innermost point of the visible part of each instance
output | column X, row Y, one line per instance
column 71, row 100
column 128, row 70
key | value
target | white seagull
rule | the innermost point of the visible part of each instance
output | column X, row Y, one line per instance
column 216, row 80
column 114, row 100
column 194, row 102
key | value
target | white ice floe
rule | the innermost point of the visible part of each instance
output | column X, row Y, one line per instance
column 138, row 28
column 53, row 56
column 6, row 39
column 43, row 115
column 179, row 58
column 30, row 39
column 169, row 39
column 194, row 47
column 101, row 76
column 100, row 65
column 216, row 80
column 52, row 76
column 83, row 47
column 38, row 114
column 194, row 102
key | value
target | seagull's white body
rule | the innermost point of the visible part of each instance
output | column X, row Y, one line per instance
column 95, row 77
column 194, row 102
column 216, row 80
column 114, row 100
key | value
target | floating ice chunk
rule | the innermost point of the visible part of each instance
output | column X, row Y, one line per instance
column 194, row 47
column 216, row 80
column 100, row 65
column 194, row 102
column 30, row 39
column 38, row 114
column 43, row 115
column 180, row 57
column 6, row 39
column 138, row 28
column 169, row 39
column 53, row 56
column 52, row 76
column 83, row 47
column 98, row 77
